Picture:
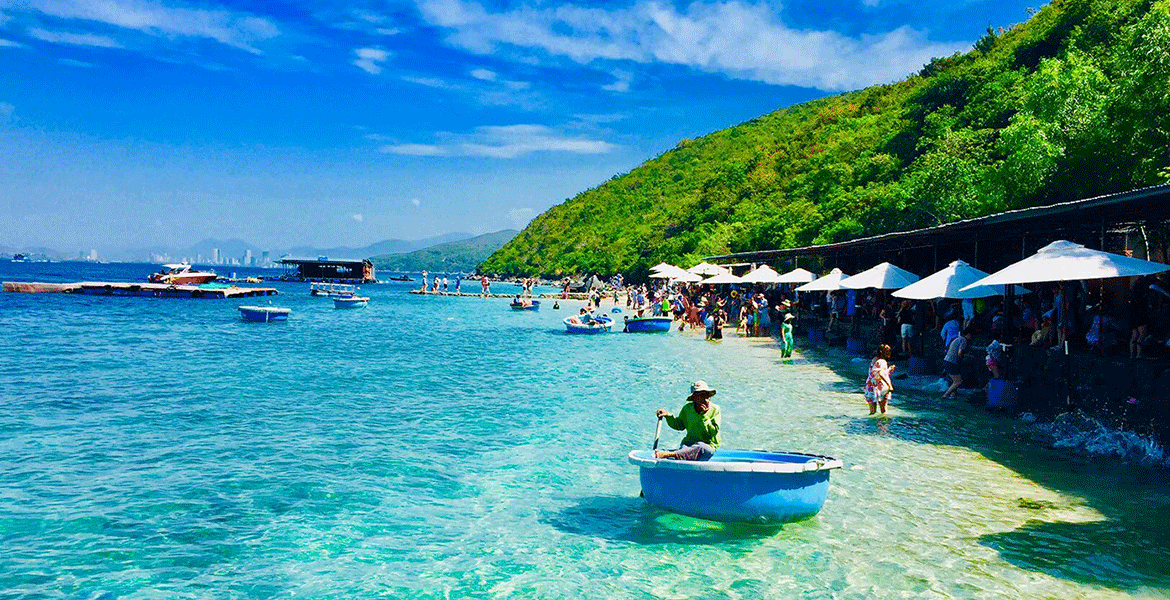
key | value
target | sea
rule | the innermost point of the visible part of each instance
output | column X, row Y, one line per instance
column 443, row 447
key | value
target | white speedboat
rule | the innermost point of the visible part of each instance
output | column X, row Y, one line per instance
column 182, row 274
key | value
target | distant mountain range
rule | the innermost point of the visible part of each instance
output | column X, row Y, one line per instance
column 456, row 256
column 204, row 250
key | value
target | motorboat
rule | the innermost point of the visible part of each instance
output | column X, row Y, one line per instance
column 530, row 305
column 592, row 324
column 182, row 274
column 332, row 290
column 351, row 302
column 751, row 486
column 264, row 314
column 647, row 324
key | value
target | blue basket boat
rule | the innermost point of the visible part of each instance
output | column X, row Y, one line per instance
column 751, row 486
column 534, row 305
column 599, row 324
column 264, row 314
column 351, row 302
column 648, row 324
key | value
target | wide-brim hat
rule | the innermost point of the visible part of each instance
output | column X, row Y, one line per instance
column 789, row 317
column 702, row 387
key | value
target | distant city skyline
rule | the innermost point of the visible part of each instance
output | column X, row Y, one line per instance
column 139, row 123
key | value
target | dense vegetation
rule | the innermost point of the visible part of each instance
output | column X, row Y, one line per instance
column 1073, row 103
column 453, row 257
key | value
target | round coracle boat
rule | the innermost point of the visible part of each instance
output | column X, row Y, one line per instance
column 648, row 324
column 600, row 324
column 751, row 486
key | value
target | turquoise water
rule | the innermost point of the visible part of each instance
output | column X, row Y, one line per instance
column 431, row 447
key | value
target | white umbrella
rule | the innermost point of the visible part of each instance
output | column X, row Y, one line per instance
column 661, row 266
column 883, row 277
column 762, row 274
column 705, row 268
column 1065, row 261
column 723, row 279
column 669, row 272
column 797, row 276
column 828, row 283
column 687, row 278
column 950, row 282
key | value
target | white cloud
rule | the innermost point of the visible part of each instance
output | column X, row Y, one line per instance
column 599, row 119
column 7, row 112
column 10, row 44
column 388, row 31
column 517, row 85
column 415, row 201
column 484, row 74
column 733, row 38
column 434, row 82
column 357, row 217
column 370, row 59
column 74, row 39
column 621, row 83
column 521, row 216
column 412, row 149
column 238, row 30
column 69, row 62
column 507, row 141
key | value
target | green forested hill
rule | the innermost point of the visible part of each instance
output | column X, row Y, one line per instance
column 459, row 256
column 1073, row 103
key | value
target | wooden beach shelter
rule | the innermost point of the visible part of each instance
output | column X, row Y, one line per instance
column 708, row 269
column 1065, row 261
column 761, row 274
column 828, row 283
column 797, row 276
column 883, row 277
column 950, row 283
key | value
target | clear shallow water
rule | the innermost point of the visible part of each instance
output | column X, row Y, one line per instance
column 437, row 447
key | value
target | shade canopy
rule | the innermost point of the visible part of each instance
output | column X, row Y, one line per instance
column 882, row 277
column 761, row 274
column 668, row 272
column 660, row 266
column 950, row 283
column 1065, row 261
column 687, row 278
column 724, row 278
column 797, row 276
column 828, row 283
column 705, row 268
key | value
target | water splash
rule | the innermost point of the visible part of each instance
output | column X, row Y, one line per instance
column 1078, row 431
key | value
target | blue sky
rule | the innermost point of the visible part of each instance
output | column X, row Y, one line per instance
column 129, row 123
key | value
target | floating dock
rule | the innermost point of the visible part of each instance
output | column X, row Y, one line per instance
column 142, row 290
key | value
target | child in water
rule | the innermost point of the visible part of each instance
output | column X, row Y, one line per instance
column 878, row 387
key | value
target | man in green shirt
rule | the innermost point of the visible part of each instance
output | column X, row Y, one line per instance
column 700, row 419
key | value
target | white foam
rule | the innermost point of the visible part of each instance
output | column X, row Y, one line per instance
column 1078, row 431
